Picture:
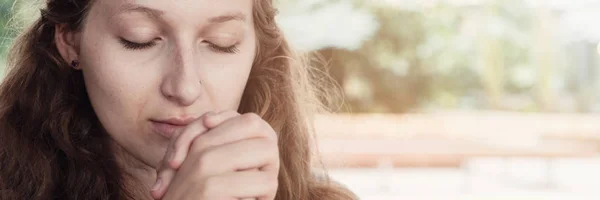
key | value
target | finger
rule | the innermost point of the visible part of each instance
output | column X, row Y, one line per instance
column 167, row 170
column 246, row 126
column 178, row 151
column 215, row 120
column 251, row 198
column 181, row 144
column 183, row 140
column 243, row 185
column 163, row 180
column 239, row 156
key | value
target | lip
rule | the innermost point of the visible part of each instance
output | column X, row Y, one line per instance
column 168, row 127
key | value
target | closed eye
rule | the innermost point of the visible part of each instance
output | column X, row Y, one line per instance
column 220, row 49
column 233, row 49
column 137, row 46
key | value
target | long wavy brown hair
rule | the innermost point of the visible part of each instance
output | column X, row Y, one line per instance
column 52, row 145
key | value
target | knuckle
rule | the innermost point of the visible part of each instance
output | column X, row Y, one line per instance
column 252, row 121
column 271, row 146
column 272, row 136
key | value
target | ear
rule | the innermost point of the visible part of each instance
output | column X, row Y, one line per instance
column 67, row 43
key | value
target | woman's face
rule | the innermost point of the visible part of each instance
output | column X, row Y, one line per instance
column 151, row 66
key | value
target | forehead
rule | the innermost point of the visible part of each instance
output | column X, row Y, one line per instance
column 179, row 9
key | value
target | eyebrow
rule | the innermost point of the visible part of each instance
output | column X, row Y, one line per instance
column 157, row 14
column 129, row 7
column 235, row 16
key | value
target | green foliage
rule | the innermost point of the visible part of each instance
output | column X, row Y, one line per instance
column 6, row 34
column 442, row 56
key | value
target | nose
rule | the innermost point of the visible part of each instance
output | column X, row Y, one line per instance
column 182, row 84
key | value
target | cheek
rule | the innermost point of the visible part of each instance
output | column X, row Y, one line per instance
column 226, row 80
column 225, row 86
column 116, row 90
column 115, row 99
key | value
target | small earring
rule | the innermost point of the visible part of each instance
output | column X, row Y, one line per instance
column 75, row 63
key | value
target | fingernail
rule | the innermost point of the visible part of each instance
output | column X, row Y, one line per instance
column 156, row 185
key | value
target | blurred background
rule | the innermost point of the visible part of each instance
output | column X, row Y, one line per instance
column 450, row 99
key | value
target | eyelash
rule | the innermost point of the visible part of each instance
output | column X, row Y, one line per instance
column 230, row 49
column 136, row 46
column 142, row 46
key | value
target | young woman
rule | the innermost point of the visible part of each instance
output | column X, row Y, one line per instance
column 158, row 99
